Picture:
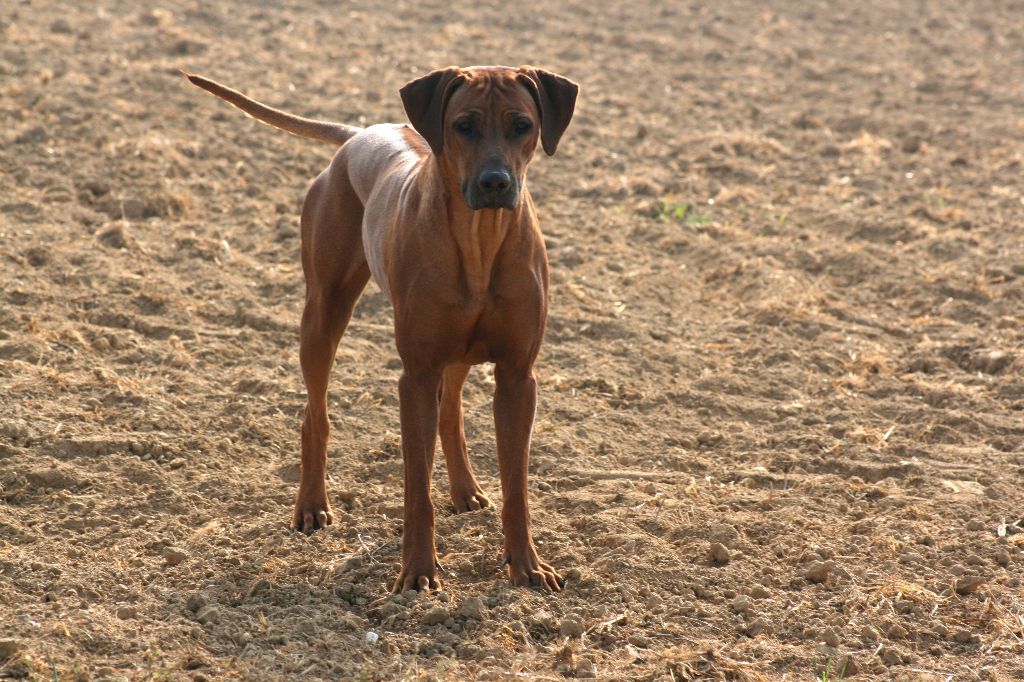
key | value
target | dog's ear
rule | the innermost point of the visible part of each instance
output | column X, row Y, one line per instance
column 556, row 100
column 425, row 100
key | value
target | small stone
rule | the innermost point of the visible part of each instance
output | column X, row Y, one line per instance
column 541, row 619
column 138, row 520
column 132, row 208
column 185, row 46
column 126, row 612
column 176, row 463
column 259, row 587
column 818, row 571
column 570, row 627
column 911, row 145
column 975, row 524
column 196, row 601
column 60, row 26
column 890, row 655
column 965, row 636
column 208, row 615
column 639, row 641
column 585, row 669
column 992, row 362
column 709, row 439
column 472, row 608
column 830, row 637
column 725, row 534
column 755, row 627
column 436, row 615
column 759, row 592
column 825, row 654
column 969, row 583
column 30, row 136
column 1002, row 557
column 114, row 237
column 741, row 604
column 846, row 667
column 173, row 556
column 565, row 659
column 896, row 631
column 9, row 647
column 904, row 606
column 719, row 553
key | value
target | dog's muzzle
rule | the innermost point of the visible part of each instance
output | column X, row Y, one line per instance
column 494, row 188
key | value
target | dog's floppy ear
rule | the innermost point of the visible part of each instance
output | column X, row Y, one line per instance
column 425, row 100
column 556, row 100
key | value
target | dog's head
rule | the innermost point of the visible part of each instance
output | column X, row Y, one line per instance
column 483, row 123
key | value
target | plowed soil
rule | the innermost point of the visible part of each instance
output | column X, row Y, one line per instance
column 780, row 431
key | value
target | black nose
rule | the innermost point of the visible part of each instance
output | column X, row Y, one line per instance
column 495, row 181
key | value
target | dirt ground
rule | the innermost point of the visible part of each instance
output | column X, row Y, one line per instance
column 780, row 432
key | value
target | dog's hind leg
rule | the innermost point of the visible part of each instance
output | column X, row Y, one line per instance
column 336, row 273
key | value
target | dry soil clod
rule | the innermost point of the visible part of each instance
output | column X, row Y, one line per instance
column 719, row 553
column 126, row 612
column 437, row 614
column 819, row 571
column 570, row 627
column 969, row 583
column 208, row 615
column 8, row 648
column 173, row 556
column 196, row 601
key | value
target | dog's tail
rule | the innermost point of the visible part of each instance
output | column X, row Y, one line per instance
column 325, row 131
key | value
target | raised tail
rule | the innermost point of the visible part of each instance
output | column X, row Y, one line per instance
column 325, row 131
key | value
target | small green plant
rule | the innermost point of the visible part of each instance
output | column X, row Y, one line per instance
column 694, row 218
column 153, row 660
column 670, row 210
column 683, row 212
column 829, row 672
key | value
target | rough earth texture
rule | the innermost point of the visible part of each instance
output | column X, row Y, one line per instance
column 780, row 430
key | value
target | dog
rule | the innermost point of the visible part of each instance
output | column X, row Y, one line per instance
column 439, row 214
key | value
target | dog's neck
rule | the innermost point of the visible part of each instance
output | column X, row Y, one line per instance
column 480, row 234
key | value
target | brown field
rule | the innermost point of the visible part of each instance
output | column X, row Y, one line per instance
column 786, row 318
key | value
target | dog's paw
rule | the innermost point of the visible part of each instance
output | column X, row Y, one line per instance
column 311, row 515
column 417, row 579
column 472, row 499
column 530, row 571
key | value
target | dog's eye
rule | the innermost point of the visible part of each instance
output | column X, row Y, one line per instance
column 463, row 127
column 522, row 126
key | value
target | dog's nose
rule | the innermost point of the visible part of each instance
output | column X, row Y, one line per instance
column 495, row 181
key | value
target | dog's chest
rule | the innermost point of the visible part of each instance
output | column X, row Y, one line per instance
column 478, row 245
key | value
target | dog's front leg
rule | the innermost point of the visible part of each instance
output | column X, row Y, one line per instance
column 417, row 395
column 515, row 405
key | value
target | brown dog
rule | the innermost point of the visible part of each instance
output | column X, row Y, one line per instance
column 444, row 223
